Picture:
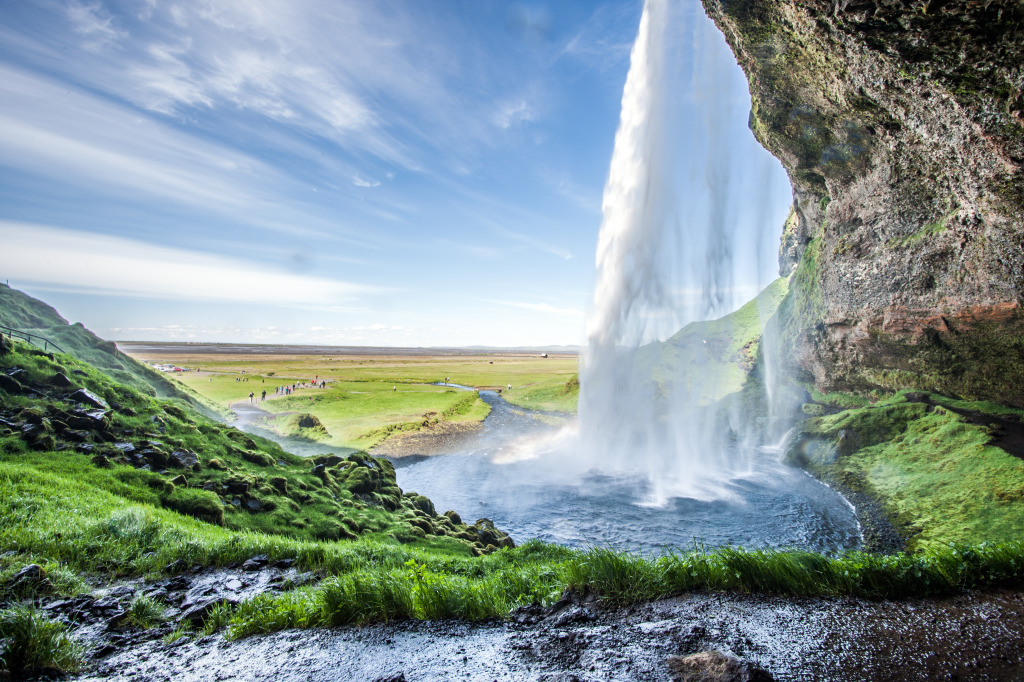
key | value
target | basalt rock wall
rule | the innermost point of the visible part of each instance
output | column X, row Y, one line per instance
column 901, row 125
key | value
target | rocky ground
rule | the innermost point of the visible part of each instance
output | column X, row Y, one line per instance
column 975, row 636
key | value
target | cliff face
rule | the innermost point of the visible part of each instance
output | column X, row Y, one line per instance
column 901, row 125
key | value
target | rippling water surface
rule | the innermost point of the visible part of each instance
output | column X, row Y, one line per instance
column 769, row 504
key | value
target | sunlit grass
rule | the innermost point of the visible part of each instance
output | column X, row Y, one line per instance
column 370, row 397
column 936, row 473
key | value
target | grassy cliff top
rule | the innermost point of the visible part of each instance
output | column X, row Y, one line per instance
column 25, row 313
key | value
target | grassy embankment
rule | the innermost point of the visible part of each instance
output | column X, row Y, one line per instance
column 164, row 454
column 369, row 398
column 713, row 359
column 934, row 463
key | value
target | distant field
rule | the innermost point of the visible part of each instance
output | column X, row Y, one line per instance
column 371, row 396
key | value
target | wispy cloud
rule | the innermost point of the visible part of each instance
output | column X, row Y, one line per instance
column 513, row 113
column 97, row 27
column 541, row 308
column 67, row 259
column 359, row 181
column 606, row 39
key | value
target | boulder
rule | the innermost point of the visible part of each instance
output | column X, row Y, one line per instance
column 714, row 666
column 29, row 573
column 76, row 435
column 180, row 481
column 10, row 385
column 87, row 397
column 242, row 439
column 87, row 419
column 256, row 563
column 18, row 374
column 424, row 504
column 60, row 380
column 236, row 486
column 184, row 459
column 360, row 480
column 31, row 577
column 154, row 458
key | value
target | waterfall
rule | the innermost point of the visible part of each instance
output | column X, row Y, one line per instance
column 663, row 262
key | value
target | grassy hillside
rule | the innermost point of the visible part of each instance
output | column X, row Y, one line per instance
column 943, row 470
column 710, row 360
column 22, row 312
column 552, row 394
column 61, row 417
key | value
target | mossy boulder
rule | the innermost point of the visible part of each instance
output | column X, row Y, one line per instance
column 421, row 503
column 200, row 504
column 258, row 458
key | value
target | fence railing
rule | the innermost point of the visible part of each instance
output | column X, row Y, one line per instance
column 36, row 339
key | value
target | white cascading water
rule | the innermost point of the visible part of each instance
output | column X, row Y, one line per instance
column 661, row 425
column 660, row 265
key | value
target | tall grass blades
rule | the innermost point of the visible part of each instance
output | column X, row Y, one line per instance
column 144, row 612
column 31, row 641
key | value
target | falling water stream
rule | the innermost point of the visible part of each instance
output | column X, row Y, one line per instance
column 667, row 461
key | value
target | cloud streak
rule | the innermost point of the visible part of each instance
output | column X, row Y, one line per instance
column 541, row 308
column 51, row 257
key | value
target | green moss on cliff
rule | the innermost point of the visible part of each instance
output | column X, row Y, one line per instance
column 934, row 465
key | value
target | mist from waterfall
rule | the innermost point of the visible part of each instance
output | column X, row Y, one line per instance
column 662, row 263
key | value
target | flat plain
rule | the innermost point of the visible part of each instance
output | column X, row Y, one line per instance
column 370, row 394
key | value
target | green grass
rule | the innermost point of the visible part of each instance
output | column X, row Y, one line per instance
column 29, row 640
column 934, row 472
column 351, row 497
column 371, row 397
column 359, row 414
column 621, row 578
column 552, row 394
column 624, row 578
column 713, row 359
column 22, row 312
column 71, row 522
column 144, row 612
column 381, row 555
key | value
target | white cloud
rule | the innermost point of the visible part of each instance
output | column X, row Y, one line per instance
column 541, row 308
column 90, row 21
column 51, row 257
column 512, row 113
column 66, row 135
column 358, row 181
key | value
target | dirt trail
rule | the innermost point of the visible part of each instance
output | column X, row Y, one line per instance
column 969, row 637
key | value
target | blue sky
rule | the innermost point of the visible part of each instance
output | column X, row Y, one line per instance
column 321, row 171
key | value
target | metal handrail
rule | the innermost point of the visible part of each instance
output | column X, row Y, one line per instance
column 29, row 337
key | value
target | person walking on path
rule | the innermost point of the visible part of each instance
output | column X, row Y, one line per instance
column 264, row 396
column 251, row 396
